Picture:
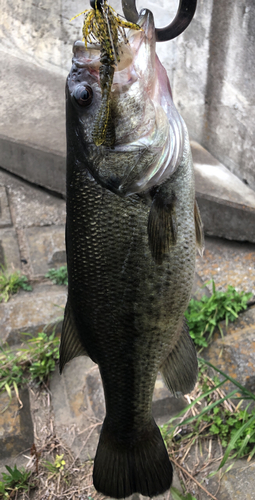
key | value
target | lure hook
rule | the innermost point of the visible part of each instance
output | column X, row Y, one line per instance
column 185, row 13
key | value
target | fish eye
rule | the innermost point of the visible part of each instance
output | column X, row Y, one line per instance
column 83, row 94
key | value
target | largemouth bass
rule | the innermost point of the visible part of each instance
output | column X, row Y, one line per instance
column 131, row 231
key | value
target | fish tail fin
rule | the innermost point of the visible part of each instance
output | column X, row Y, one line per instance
column 127, row 466
column 180, row 368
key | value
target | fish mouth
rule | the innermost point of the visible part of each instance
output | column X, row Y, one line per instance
column 148, row 128
column 137, row 54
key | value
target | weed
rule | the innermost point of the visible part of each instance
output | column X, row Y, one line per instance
column 14, row 481
column 11, row 283
column 203, row 316
column 35, row 362
column 58, row 276
column 58, row 465
column 234, row 426
column 226, row 424
column 44, row 354
column 178, row 496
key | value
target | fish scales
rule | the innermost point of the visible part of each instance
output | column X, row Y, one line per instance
column 131, row 261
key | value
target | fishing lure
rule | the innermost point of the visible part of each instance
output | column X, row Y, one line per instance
column 103, row 26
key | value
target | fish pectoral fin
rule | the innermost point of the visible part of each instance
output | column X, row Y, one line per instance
column 199, row 229
column 70, row 345
column 180, row 368
column 162, row 225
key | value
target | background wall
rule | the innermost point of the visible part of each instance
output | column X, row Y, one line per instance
column 211, row 66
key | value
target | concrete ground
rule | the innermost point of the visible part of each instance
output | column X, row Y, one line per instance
column 32, row 241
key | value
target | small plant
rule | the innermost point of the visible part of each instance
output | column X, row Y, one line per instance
column 226, row 424
column 203, row 316
column 178, row 496
column 14, row 481
column 58, row 465
column 234, row 426
column 11, row 283
column 44, row 355
column 35, row 362
column 58, row 276
column 3, row 492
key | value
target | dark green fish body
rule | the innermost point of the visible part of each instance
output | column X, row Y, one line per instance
column 131, row 241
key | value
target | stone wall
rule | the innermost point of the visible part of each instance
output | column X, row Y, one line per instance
column 214, row 82
column 211, row 66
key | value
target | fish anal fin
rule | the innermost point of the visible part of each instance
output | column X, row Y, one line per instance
column 162, row 225
column 199, row 229
column 180, row 368
column 70, row 345
column 132, row 464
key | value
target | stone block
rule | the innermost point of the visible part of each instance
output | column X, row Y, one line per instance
column 9, row 249
column 32, row 312
column 78, row 405
column 46, row 248
column 228, row 263
column 32, row 206
column 32, row 122
column 238, row 482
column 40, row 166
column 235, row 356
column 226, row 204
column 5, row 214
column 199, row 288
column 16, row 428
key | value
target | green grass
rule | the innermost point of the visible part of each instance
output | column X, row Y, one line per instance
column 14, row 481
column 204, row 316
column 32, row 363
column 234, row 426
column 177, row 495
column 58, row 276
column 11, row 283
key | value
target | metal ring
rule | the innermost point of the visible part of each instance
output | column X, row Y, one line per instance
column 185, row 13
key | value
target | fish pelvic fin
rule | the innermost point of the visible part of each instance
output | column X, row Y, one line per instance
column 70, row 344
column 199, row 230
column 180, row 368
column 162, row 225
column 126, row 466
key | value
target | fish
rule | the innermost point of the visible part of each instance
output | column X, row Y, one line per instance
column 132, row 229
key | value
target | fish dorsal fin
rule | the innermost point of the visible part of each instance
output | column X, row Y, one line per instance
column 70, row 345
column 199, row 229
column 180, row 368
column 162, row 225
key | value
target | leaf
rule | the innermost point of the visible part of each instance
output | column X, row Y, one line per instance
column 244, row 444
column 228, row 377
column 176, row 494
column 202, row 396
column 234, row 439
column 9, row 469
